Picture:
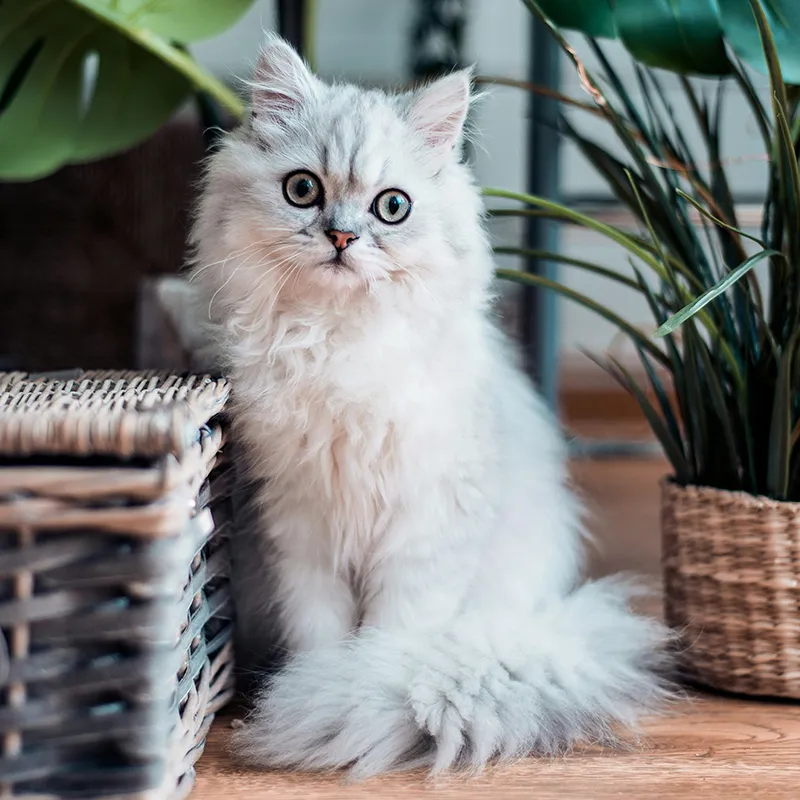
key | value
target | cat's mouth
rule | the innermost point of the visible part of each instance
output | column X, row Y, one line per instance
column 337, row 263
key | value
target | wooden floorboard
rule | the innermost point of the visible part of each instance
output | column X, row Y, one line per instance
column 707, row 747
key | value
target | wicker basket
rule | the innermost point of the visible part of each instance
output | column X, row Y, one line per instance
column 732, row 583
column 115, row 629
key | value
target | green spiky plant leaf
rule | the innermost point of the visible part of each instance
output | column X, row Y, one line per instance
column 82, row 79
column 719, row 383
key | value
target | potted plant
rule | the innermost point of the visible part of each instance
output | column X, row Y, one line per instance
column 719, row 383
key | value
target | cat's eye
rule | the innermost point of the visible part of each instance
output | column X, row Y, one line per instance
column 302, row 189
column 391, row 206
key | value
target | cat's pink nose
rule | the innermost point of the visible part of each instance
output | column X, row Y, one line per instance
column 340, row 239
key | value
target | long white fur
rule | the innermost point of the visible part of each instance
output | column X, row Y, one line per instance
column 424, row 547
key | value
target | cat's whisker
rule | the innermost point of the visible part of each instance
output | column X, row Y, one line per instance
column 227, row 282
column 281, row 248
column 419, row 281
column 267, row 302
column 248, row 251
column 267, row 259
column 274, row 248
column 273, row 267
column 198, row 270
column 297, row 274
column 424, row 286
column 271, row 297
column 285, row 280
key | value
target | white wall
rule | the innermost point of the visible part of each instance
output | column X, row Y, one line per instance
column 367, row 40
column 234, row 52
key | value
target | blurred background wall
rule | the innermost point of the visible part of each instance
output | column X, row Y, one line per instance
column 94, row 232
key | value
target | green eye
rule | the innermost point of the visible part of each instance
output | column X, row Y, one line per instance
column 391, row 206
column 302, row 189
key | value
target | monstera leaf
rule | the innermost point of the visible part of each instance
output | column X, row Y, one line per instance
column 679, row 35
column 82, row 79
column 783, row 18
column 592, row 17
column 686, row 35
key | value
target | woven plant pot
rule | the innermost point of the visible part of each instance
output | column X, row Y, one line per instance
column 115, row 620
column 732, row 587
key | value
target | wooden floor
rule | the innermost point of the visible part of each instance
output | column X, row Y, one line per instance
column 708, row 747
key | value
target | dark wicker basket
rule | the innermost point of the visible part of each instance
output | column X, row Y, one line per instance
column 115, row 625
column 732, row 586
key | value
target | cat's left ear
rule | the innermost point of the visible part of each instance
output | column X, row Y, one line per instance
column 438, row 111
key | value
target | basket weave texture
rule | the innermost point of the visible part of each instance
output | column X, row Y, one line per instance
column 732, row 585
column 115, row 620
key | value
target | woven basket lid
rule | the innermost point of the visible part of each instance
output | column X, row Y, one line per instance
column 124, row 414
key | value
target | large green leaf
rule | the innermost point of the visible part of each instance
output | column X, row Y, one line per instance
column 741, row 32
column 593, row 17
column 82, row 79
column 177, row 20
column 680, row 35
column 685, row 35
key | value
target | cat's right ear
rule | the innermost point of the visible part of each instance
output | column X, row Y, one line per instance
column 439, row 109
column 282, row 82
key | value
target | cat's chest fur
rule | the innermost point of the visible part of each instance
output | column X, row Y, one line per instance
column 349, row 426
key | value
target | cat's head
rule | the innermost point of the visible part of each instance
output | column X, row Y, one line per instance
column 332, row 191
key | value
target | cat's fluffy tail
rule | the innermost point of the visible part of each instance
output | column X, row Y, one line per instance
column 578, row 669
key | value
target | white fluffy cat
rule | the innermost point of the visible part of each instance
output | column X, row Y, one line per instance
column 425, row 549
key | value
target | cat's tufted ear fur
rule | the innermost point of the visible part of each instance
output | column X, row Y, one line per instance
column 282, row 82
column 439, row 109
